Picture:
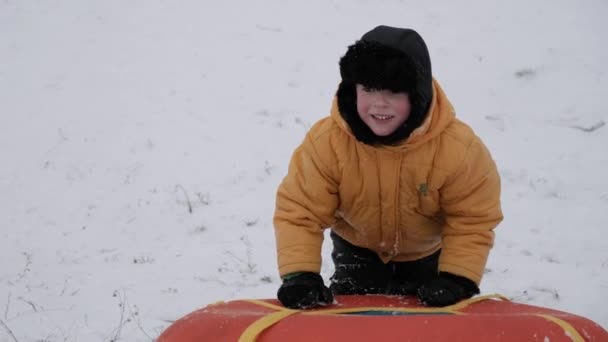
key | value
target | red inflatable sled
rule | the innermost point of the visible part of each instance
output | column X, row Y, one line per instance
column 382, row 318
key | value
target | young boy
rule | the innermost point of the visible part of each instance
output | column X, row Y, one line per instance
column 410, row 193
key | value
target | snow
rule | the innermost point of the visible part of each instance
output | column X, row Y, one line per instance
column 142, row 143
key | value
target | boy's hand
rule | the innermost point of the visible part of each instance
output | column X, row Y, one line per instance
column 304, row 291
column 446, row 289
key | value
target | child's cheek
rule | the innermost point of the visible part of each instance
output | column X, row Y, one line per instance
column 362, row 105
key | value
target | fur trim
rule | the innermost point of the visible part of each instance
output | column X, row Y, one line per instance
column 379, row 67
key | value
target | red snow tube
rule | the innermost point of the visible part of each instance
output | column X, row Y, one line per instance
column 382, row 318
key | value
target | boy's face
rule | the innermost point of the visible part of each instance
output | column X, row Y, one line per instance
column 382, row 110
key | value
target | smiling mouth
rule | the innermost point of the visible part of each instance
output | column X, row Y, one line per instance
column 382, row 117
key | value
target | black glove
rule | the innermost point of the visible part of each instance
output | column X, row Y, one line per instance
column 446, row 289
column 304, row 291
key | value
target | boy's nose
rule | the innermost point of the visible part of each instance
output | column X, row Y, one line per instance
column 379, row 99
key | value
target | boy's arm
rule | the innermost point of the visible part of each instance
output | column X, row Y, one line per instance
column 470, row 199
column 306, row 203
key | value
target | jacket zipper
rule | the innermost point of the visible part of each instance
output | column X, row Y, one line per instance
column 398, row 234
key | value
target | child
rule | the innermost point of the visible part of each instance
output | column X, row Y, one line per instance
column 410, row 193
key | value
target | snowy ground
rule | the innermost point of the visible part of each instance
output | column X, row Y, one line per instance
column 142, row 143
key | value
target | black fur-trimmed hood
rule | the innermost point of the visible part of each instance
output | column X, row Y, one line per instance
column 390, row 58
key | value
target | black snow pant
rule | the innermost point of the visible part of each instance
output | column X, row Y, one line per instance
column 360, row 271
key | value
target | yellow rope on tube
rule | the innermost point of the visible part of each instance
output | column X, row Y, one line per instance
column 256, row 328
column 568, row 328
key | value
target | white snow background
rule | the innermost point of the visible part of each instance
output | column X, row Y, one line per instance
column 142, row 142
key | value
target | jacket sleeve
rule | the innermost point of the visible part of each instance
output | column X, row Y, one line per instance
column 470, row 200
column 305, row 205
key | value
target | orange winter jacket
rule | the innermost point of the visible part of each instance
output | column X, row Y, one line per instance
column 438, row 189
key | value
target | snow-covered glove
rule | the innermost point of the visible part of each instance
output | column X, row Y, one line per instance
column 446, row 289
column 304, row 290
